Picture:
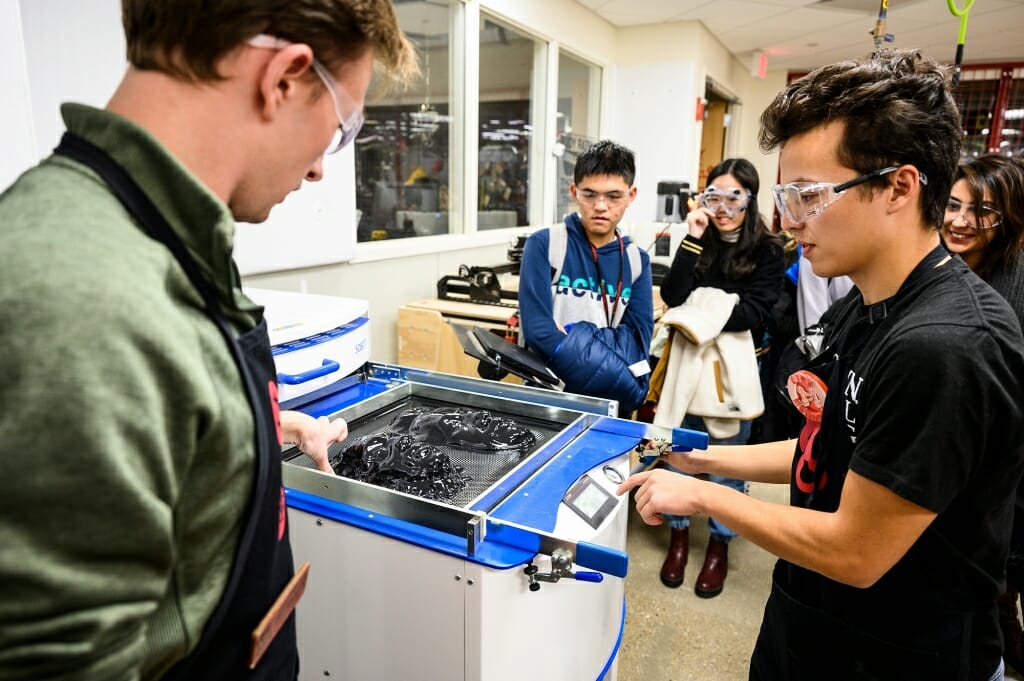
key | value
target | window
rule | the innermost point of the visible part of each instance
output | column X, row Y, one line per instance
column 506, row 114
column 576, row 121
column 402, row 153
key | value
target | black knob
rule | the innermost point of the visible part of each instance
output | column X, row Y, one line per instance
column 534, row 586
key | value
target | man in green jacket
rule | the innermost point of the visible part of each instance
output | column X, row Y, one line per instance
column 142, row 519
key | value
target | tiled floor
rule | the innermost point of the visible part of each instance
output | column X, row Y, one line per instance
column 671, row 634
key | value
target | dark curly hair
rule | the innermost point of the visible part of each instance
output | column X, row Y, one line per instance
column 897, row 109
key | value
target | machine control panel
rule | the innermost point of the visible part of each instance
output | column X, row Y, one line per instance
column 590, row 500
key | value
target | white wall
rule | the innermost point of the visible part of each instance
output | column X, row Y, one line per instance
column 19, row 148
column 758, row 95
column 661, row 71
column 75, row 51
column 655, row 107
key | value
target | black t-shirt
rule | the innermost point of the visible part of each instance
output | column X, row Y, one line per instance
column 929, row 405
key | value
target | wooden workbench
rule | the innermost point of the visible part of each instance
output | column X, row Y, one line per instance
column 426, row 341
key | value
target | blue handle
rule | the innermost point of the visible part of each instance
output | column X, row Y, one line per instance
column 584, row 576
column 610, row 561
column 686, row 438
column 329, row 366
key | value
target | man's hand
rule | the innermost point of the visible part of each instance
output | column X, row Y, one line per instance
column 313, row 436
column 684, row 461
column 661, row 491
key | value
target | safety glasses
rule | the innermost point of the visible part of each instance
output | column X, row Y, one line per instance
column 800, row 201
column 348, row 127
column 975, row 217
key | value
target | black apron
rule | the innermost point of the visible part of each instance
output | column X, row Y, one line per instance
column 800, row 640
column 262, row 564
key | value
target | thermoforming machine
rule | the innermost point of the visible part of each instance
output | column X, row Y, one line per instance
column 518, row 574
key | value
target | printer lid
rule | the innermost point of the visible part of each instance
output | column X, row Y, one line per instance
column 293, row 316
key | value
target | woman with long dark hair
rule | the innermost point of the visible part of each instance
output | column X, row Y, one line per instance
column 727, row 246
column 984, row 225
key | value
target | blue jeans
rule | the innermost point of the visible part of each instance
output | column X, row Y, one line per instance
column 718, row 530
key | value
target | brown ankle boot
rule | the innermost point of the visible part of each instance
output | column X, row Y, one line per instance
column 675, row 561
column 1013, row 633
column 716, row 566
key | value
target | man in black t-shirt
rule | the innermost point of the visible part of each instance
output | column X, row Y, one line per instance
column 893, row 547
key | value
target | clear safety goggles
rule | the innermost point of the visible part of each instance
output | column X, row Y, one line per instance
column 800, row 201
column 975, row 217
column 728, row 201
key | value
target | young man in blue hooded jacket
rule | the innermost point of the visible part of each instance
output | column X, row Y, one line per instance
column 585, row 294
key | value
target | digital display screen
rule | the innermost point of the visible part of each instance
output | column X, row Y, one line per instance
column 590, row 500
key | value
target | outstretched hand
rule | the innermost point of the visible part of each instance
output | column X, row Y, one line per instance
column 661, row 491
column 313, row 435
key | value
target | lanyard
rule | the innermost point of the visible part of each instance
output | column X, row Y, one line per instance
column 604, row 287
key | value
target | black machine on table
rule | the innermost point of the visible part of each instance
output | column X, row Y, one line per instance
column 480, row 285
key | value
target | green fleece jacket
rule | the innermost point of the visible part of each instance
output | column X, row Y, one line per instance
column 126, row 441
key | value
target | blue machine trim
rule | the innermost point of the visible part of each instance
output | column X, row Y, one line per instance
column 324, row 337
column 618, row 644
column 491, row 554
column 535, row 504
column 335, row 397
column 683, row 439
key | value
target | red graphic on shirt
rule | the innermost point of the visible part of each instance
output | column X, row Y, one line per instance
column 806, row 466
column 275, row 409
column 282, row 517
column 807, row 392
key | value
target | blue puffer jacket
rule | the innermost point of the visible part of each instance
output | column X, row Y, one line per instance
column 595, row 362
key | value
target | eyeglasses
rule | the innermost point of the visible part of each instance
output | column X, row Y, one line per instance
column 591, row 197
column 349, row 127
column 729, row 201
column 975, row 217
column 800, row 201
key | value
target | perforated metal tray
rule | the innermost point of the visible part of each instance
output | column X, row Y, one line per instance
column 552, row 427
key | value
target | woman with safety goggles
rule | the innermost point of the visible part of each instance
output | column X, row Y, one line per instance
column 984, row 225
column 727, row 247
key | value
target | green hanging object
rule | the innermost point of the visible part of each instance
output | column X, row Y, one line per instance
column 962, row 13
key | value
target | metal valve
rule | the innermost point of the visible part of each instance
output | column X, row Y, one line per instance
column 561, row 567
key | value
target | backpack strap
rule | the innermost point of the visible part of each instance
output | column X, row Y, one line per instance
column 557, row 245
column 635, row 262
